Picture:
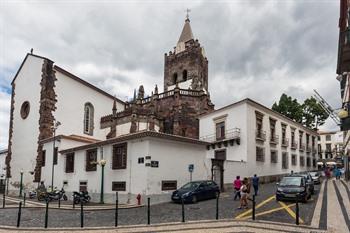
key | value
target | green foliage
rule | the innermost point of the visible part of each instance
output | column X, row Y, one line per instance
column 310, row 113
column 313, row 113
column 289, row 107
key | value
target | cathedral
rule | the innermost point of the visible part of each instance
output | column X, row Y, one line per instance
column 69, row 133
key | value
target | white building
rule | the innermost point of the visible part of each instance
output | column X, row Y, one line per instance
column 330, row 144
column 42, row 92
column 149, row 144
column 248, row 138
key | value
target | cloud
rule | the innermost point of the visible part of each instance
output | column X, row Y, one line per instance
column 256, row 49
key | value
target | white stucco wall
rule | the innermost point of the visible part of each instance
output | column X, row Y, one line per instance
column 139, row 178
column 26, row 131
column 71, row 99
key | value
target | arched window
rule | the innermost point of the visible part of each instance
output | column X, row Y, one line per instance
column 184, row 75
column 175, row 78
column 88, row 118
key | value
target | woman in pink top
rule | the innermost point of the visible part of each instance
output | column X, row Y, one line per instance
column 237, row 186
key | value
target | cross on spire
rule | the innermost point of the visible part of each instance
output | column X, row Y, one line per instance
column 187, row 15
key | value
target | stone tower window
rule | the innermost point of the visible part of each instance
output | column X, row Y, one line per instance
column 25, row 110
column 88, row 119
column 175, row 78
column 184, row 75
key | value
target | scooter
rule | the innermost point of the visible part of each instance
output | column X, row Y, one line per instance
column 82, row 196
column 32, row 194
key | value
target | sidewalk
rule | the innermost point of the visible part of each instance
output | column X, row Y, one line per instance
column 12, row 202
column 196, row 227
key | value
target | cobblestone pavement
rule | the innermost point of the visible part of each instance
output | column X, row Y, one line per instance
column 161, row 213
column 220, row 226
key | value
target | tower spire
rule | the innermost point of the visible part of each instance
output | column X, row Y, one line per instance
column 186, row 33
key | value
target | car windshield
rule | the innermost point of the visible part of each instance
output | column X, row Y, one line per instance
column 313, row 173
column 290, row 181
column 191, row 185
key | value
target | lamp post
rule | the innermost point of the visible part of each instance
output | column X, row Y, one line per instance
column 102, row 162
column 55, row 126
column 21, row 184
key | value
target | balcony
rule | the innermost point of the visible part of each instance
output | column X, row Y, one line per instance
column 294, row 145
column 285, row 142
column 302, row 147
column 260, row 135
column 274, row 139
column 230, row 136
column 308, row 148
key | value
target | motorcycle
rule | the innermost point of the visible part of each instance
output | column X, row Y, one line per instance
column 57, row 195
column 82, row 196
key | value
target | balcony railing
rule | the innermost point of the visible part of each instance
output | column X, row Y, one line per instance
column 308, row 148
column 294, row 144
column 274, row 139
column 285, row 142
column 302, row 147
column 260, row 135
column 229, row 134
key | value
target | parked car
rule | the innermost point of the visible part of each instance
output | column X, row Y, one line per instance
column 316, row 177
column 195, row 191
column 292, row 188
column 309, row 181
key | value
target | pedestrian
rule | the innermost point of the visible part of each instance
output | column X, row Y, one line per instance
column 237, row 187
column 255, row 181
column 338, row 173
column 42, row 187
column 244, row 195
column 291, row 172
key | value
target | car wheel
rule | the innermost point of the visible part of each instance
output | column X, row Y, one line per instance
column 305, row 198
column 194, row 199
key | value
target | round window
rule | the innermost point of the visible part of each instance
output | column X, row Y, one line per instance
column 25, row 110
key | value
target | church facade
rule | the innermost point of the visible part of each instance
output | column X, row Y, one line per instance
column 144, row 146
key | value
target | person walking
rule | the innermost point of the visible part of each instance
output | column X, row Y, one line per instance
column 244, row 195
column 255, row 181
column 237, row 183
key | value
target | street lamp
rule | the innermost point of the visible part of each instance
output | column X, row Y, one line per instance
column 102, row 162
column 55, row 126
column 21, row 184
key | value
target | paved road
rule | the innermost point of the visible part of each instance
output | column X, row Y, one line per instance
column 161, row 213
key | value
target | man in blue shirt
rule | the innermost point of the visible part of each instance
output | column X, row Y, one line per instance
column 255, row 181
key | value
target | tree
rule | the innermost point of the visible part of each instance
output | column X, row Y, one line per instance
column 310, row 113
column 289, row 107
column 313, row 113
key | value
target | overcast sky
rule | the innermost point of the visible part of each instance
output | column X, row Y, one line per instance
column 257, row 49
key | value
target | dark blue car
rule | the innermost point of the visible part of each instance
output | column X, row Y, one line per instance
column 195, row 191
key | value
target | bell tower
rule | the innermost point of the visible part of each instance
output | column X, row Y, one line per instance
column 187, row 65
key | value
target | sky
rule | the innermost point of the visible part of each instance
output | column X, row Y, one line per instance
column 256, row 49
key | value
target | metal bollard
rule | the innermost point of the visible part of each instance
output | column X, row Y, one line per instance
column 46, row 213
column 297, row 211
column 116, row 210
column 73, row 203
column 59, row 202
column 148, row 211
column 253, row 211
column 24, row 200
column 81, row 214
column 183, row 209
column 19, row 214
column 217, row 207
column 3, row 200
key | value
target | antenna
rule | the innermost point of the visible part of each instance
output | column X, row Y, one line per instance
column 323, row 103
